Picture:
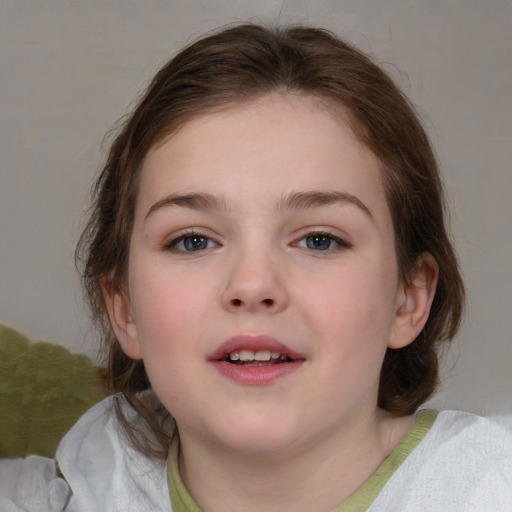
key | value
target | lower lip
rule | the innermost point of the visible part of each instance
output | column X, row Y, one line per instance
column 256, row 375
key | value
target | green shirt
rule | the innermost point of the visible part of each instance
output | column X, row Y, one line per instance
column 182, row 501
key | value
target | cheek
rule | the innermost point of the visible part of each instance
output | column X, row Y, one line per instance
column 352, row 292
column 353, row 305
column 168, row 307
column 172, row 318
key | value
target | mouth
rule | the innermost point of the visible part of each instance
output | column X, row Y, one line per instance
column 255, row 360
column 263, row 357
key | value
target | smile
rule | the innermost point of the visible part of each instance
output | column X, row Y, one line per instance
column 258, row 358
column 255, row 360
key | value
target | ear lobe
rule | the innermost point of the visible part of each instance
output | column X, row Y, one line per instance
column 121, row 319
column 414, row 301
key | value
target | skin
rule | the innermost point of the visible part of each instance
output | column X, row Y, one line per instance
column 310, row 438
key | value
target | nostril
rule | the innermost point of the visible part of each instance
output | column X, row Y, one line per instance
column 238, row 302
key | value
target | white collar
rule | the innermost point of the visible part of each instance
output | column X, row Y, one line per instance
column 104, row 471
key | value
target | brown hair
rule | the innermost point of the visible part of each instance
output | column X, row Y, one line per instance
column 238, row 64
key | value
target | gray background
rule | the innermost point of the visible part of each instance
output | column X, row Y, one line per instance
column 69, row 69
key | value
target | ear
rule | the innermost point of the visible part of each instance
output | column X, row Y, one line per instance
column 413, row 303
column 121, row 319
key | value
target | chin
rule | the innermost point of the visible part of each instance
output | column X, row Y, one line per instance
column 259, row 437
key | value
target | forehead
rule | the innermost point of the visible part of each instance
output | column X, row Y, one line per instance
column 272, row 145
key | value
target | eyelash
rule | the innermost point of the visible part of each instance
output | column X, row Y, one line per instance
column 189, row 235
column 340, row 243
column 321, row 236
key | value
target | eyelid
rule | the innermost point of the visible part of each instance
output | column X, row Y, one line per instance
column 342, row 242
column 174, row 239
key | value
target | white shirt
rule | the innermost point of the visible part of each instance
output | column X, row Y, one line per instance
column 464, row 463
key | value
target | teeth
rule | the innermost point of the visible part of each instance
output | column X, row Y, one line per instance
column 246, row 355
column 263, row 355
column 259, row 355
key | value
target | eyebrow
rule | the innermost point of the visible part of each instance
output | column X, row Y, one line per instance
column 195, row 201
column 319, row 198
column 293, row 201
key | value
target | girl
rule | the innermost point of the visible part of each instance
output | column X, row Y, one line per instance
column 268, row 259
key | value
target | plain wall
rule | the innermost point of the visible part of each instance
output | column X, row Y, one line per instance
column 70, row 69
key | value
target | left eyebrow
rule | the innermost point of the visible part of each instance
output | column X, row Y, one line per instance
column 194, row 201
column 318, row 198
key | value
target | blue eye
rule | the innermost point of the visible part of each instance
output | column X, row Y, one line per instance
column 319, row 242
column 322, row 242
column 191, row 243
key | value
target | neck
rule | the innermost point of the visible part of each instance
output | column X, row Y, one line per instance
column 319, row 477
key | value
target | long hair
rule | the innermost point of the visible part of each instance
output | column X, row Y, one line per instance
column 239, row 64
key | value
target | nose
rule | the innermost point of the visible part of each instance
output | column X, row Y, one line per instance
column 255, row 284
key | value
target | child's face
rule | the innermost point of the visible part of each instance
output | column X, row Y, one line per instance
column 263, row 231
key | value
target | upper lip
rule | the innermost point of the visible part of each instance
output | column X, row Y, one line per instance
column 254, row 343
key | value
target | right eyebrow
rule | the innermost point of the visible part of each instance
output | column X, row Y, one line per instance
column 195, row 201
column 318, row 198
